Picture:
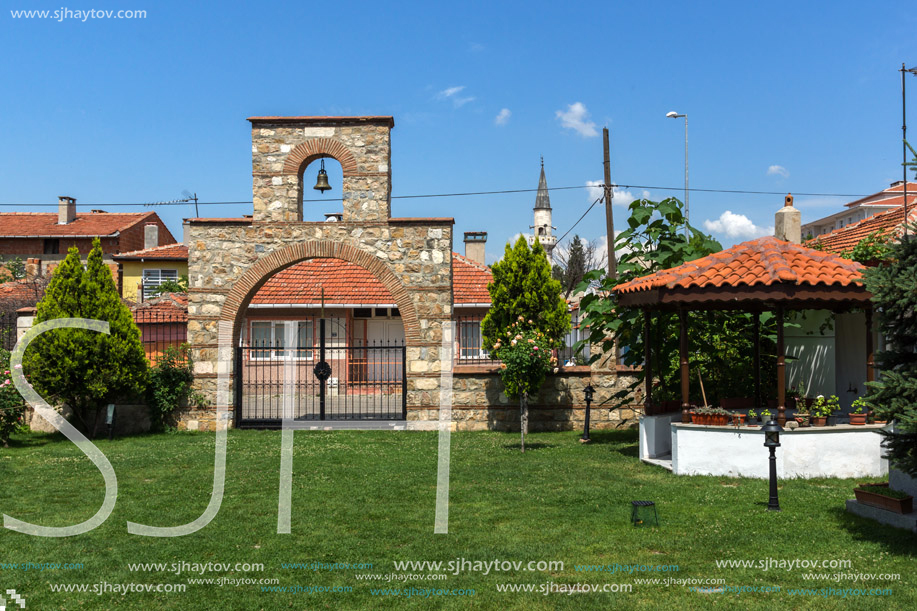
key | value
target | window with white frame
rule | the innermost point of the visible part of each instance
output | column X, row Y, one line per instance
column 152, row 278
column 469, row 339
column 270, row 337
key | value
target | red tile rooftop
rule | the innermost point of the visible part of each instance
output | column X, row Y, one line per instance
column 762, row 262
column 348, row 283
column 44, row 224
column 176, row 252
column 846, row 238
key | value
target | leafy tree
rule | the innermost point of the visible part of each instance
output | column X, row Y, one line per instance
column 12, row 270
column 524, row 301
column 657, row 237
column 894, row 396
column 872, row 249
column 171, row 286
column 573, row 262
column 82, row 368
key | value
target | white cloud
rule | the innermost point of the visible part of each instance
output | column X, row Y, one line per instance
column 736, row 226
column 778, row 170
column 576, row 117
column 620, row 197
column 503, row 116
column 452, row 93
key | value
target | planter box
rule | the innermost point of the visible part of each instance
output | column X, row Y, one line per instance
column 819, row 420
column 867, row 497
column 858, row 419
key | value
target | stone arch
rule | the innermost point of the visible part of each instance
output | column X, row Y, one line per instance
column 254, row 278
column 310, row 150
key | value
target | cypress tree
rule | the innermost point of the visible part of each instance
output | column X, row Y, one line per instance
column 894, row 396
column 523, row 286
column 86, row 369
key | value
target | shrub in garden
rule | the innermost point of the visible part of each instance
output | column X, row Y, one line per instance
column 86, row 369
column 169, row 385
column 12, row 406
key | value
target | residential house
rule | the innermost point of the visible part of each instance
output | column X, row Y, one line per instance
column 142, row 271
column 858, row 210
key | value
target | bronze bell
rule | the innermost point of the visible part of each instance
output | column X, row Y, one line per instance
column 321, row 183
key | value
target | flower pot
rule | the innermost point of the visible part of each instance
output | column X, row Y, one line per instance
column 867, row 497
column 802, row 420
column 858, row 419
column 819, row 420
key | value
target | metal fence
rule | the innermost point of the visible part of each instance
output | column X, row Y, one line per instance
column 160, row 329
column 7, row 330
column 364, row 383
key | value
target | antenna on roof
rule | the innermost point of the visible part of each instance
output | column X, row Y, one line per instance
column 188, row 197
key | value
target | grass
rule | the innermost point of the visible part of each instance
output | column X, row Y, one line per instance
column 369, row 497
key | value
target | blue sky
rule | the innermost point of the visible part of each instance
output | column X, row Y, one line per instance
column 124, row 111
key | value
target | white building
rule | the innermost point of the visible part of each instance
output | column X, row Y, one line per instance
column 862, row 208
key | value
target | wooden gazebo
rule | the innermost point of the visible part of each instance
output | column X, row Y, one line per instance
column 761, row 275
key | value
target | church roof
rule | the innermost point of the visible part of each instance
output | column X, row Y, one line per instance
column 543, row 198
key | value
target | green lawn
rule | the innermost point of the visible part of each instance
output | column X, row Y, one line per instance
column 369, row 497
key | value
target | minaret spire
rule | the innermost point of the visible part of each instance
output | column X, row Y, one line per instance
column 542, row 217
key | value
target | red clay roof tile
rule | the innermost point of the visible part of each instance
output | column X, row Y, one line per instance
column 844, row 239
column 764, row 261
column 176, row 252
column 31, row 224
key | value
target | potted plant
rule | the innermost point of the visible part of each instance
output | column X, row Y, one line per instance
column 765, row 415
column 859, row 413
column 753, row 417
column 703, row 415
column 883, row 497
column 822, row 408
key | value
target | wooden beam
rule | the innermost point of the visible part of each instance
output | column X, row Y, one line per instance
column 757, row 365
column 781, row 370
column 648, row 361
column 683, row 356
column 870, row 349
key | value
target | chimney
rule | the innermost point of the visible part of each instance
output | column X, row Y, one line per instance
column 788, row 222
column 150, row 235
column 66, row 210
column 33, row 269
column 185, row 232
column 475, row 242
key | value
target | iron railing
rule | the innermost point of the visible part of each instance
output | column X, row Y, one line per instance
column 366, row 383
column 7, row 330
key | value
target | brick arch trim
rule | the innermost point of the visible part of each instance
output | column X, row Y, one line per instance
column 245, row 287
column 306, row 152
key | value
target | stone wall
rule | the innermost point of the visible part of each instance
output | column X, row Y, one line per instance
column 479, row 403
column 282, row 148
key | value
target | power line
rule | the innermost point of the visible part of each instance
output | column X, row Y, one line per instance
column 597, row 200
column 467, row 194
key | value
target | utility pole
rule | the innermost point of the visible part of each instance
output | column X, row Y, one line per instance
column 609, row 219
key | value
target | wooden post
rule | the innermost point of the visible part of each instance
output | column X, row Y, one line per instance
column 609, row 219
column 870, row 349
column 781, row 370
column 647, row 362
column 683, row 355
column 757, row 365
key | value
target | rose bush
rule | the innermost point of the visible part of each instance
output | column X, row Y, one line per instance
column 12, row 406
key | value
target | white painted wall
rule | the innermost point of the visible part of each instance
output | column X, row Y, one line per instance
column 840, row 451
column 850, row 356
column 656, row 434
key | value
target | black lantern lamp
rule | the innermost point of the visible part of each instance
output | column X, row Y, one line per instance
column 589, row 392
column 772, row 432
column 321, row 183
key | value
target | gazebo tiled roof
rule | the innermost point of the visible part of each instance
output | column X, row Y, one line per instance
column 766, row 270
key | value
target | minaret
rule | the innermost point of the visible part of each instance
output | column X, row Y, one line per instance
column 542, row 227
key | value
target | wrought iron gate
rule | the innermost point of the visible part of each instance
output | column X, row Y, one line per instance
column 323, row 382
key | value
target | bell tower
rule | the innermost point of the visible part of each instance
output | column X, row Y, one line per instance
column 543, row 230
column 282, row 148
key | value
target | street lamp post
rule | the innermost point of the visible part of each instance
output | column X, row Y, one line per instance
column 772, row 442
column 675, row 115
column 589, row 392
column 904, row 141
